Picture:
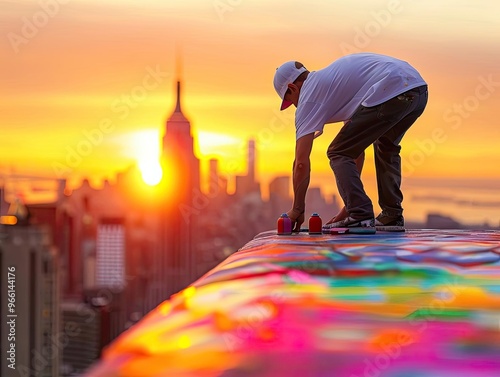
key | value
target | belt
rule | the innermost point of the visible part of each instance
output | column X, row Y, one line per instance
column 419, row 89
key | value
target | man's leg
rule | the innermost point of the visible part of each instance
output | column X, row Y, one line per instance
column 388, row 160
column 365, row 127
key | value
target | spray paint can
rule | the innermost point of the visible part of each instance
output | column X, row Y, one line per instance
column 284, row 225
column 315, row 224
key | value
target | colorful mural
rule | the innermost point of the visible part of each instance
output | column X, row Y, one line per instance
column 420, row 303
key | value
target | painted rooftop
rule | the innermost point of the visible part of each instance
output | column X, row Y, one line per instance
column 419, row 303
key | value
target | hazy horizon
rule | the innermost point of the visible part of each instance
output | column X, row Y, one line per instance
column 88, row 85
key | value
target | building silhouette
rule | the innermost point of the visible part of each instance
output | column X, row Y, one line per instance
column 217, row 185
column 32, row 339
column 179, row 233
column 247, row 184
column 279, row 195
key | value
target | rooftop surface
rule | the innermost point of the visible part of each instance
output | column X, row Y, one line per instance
column 419, row 303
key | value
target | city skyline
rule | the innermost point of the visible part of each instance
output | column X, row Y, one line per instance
column 38, row 189
column 86, row 94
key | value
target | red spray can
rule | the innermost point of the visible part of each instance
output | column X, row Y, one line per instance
column 315, row 224
column 284, row 225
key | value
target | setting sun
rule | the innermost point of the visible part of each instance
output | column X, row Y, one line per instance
column 150, row 171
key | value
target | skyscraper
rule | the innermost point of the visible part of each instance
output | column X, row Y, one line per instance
column 31, row 336
column 246, row 184
column 279, row 196
column 182, row 202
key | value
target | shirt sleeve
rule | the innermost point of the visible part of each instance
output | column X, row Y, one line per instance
column 309, row 117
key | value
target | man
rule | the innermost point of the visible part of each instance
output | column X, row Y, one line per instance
column 379, row 98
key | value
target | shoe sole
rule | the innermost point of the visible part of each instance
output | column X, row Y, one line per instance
column 353, row 230
column 390, row 228
column 335, row 230
column 363, row 230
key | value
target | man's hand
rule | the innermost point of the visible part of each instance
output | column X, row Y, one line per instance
column 297, row 219
column 339, row 216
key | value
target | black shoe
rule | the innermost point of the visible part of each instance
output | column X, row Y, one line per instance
column 390, row 224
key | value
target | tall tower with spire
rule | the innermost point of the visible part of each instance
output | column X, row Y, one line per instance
column 178, row 144
column 181, row 183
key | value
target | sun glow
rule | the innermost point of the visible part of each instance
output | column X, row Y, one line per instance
column 213, row 142
column 151, row 171
column 147, row 152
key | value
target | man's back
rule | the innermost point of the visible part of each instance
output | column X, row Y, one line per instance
column 333, row 93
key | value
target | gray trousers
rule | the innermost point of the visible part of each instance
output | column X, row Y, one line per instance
column 383, row 126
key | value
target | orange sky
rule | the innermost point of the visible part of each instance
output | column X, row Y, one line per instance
column 100, row 78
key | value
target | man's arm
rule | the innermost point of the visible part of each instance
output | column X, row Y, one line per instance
column 301, row 178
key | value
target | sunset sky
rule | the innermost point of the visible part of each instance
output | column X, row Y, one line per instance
column 87, row 85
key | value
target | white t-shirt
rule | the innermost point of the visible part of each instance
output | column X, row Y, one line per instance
column 334, row 93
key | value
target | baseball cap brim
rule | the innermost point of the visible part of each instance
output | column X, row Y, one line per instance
column 285, row 104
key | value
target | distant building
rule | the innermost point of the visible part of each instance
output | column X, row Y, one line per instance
column 246, row 184
column 315, row 203
column 114, row 263
column 279, row 187
column 32, row 338
column 89, row 334
column 179, row 233
column 4, row 205
column 279, row 197
column 217, row 185
column 251, row 163
column 110, row 253
column 437, row 221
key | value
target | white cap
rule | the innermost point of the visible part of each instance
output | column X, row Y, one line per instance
column 286, row 74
